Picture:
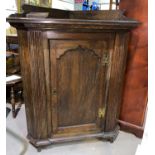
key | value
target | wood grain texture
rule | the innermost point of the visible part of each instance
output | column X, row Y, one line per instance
column 26, row 74
column 80, row 82
column 82, row 21
column 38, row 84
column 115, row 84
column 43, row 143
column 136, row 79
column 73, row 76
column 34, row 82
column 47, row 82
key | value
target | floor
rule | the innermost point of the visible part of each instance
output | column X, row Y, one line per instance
column 125, row 144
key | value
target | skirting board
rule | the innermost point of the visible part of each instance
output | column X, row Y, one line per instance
column 131, row 128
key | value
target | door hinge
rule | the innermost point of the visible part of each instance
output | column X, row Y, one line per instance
column 105, row 59
column 101, row 112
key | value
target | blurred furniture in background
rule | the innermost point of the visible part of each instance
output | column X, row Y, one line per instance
column 14, row 88
column 133, row 111
column 12, row 42
column 12, row 81
column 43, row 3
column 12, row 63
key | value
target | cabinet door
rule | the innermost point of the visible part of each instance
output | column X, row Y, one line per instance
column 78, row 86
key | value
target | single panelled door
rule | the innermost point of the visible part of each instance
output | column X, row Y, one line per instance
column 78, row 86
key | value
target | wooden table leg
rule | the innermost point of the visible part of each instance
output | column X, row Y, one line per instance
column 13, row 102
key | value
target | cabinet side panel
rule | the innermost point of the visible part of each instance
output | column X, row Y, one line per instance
column 26, row 79
column 118, row 65
column 38, row 84
column 32, row 58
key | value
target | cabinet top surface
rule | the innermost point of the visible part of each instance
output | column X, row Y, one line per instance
column 47, row 18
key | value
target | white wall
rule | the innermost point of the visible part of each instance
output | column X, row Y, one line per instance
column 63, row 4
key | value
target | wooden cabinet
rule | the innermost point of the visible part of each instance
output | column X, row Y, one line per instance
column 73, row 71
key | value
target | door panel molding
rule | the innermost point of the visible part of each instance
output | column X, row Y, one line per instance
column 86, row 93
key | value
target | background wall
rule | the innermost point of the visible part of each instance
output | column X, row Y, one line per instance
column 136, row 81
column 63, row 4
column 103, row 4
column 78, row 3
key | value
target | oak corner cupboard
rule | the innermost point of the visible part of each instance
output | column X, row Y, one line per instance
column 72, row 65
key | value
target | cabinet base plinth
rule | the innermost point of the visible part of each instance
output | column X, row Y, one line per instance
column 43, row 143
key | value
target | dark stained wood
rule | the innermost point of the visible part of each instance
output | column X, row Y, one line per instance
column 38, row 86
column 135, row 95
column 109, row 136
column 26, row 74
column 115, row 84
column 97, row 15
column 33, row 74
column 47, row 81
column 98, row 21
column 78, row 78
column 70, row 24
column 72, row 75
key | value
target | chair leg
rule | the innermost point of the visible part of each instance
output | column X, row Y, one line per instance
column 13, row 102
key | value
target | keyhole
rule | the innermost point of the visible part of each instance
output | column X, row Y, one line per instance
column 54, row 92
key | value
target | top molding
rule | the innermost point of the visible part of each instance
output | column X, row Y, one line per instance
column 48, row 19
